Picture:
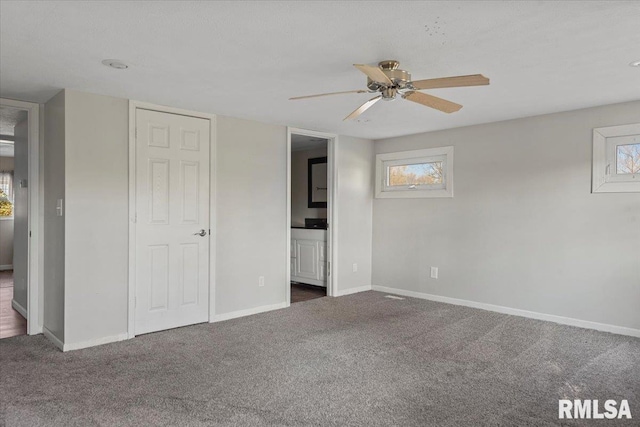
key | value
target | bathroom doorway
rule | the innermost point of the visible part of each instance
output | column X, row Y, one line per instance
column 310, row 214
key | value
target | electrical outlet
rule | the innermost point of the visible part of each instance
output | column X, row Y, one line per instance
column 434, row 272
column 355, row 268
column 261, row 281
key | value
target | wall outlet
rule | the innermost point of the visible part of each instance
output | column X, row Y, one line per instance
column 355, row 268
column 434, row 272
column 261, row 281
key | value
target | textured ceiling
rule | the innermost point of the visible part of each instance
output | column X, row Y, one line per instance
column 244, row 59
column 9, row 118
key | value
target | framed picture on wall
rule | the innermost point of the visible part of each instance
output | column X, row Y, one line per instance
column 317, row 182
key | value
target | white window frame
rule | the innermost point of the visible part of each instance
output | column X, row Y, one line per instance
column 605, row 178
column 427, row 155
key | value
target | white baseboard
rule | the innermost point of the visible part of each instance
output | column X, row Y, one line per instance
column 20, row 309
column 95, row 342
column 247, row 312
column 622, row 330
column 350, row 291
column 83, row 344
column 47, row 333
column 6, row 267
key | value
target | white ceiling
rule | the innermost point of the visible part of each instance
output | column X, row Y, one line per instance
column 305, row 142
column 244, row 59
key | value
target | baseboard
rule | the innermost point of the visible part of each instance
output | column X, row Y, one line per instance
column 47, row 333
column 6, row 267
column 95, row 342
column 20, row 309
column 621, row 330
column 353, row 290
column 248, row 312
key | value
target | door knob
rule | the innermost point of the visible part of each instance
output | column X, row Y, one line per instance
column 201, row 233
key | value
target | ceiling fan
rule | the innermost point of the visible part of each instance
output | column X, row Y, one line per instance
column 390, row 81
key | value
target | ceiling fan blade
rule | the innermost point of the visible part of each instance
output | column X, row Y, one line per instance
column 457, row 81
column 364, row 107
column 433, row 102
column 374, row 73
column 327, row 94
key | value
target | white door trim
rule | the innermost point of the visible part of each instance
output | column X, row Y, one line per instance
column 35, row 290
column 133, row 106
column 332, row 209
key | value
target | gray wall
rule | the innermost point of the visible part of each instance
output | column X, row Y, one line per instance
column 523, row 229
column 96, row 217
column 6, row 225
column 21, row 213
column 86, row 252
column 355, row 160
column 299, row 186
column 54, row 244
column 251, row 214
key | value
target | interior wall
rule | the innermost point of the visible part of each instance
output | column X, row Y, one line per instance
column 523, row 229
column 7, row 163
column 251, row 200
column 54, row 227
column 21, row 212
column 6, row 225
column 96, row 217
column 299, row 186
column 355, row 164
column 6, row 243
column 86, row 251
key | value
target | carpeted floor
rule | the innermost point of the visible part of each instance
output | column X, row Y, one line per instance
column 360, row 360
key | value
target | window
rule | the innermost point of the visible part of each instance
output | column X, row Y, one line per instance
column 6, row 194
column 414, row 174
column 616, row 159
column 628, row 159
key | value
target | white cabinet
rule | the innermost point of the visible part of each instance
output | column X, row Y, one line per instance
column 307, row 259
column 308, row 256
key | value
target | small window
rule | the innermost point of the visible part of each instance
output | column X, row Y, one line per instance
column 6, row 194
column 413, row 174
column 6, row 207
column 616, row 159
column 628, row 159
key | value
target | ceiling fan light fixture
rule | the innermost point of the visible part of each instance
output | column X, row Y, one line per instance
column 388, row 80
column 389, row 94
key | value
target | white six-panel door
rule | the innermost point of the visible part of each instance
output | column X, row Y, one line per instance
column 172, row 207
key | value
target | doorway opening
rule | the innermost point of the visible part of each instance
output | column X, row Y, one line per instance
column 19, row 200
column 310, row 207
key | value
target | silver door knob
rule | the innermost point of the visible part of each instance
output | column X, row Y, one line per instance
column 201, row 233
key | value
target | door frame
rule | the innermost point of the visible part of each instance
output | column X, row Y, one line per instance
column 332, row 210
column 35, row 220
column 133, row 106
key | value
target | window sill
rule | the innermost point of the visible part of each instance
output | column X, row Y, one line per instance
column 618, row 187
column 419, row 194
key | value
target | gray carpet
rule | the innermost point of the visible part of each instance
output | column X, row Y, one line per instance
column 361, row 360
